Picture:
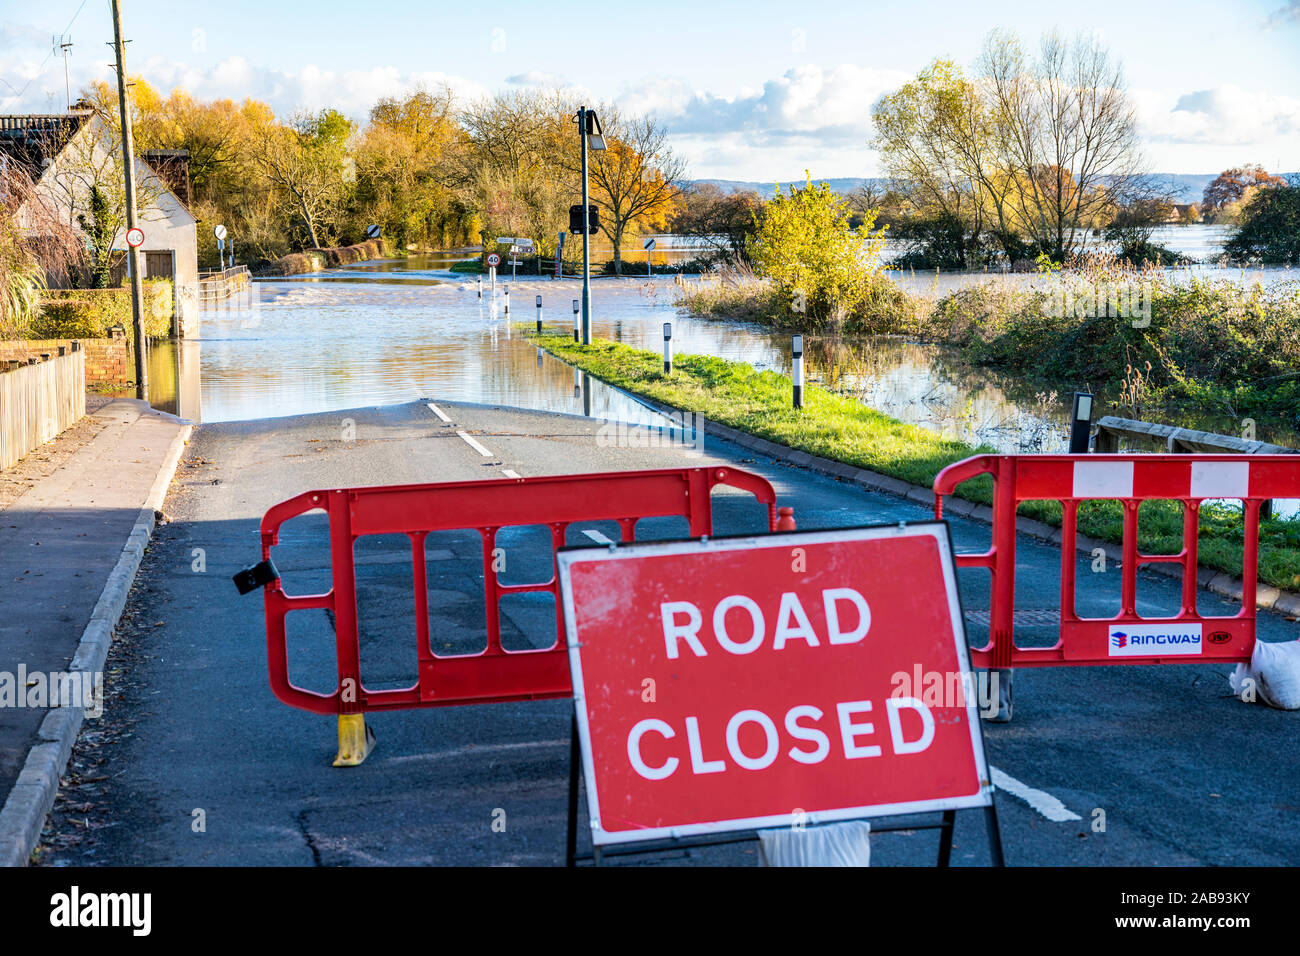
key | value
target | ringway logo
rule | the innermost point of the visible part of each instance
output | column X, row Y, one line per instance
column 1152, row 640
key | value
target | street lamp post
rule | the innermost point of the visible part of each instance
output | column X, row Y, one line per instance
column 588, row 129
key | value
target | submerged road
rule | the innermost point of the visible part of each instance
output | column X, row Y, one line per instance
column 197, row 763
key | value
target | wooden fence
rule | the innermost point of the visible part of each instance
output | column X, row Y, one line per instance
column 37, row 401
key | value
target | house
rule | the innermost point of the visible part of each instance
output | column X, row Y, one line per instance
column 70, row 155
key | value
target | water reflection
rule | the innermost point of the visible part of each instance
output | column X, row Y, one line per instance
column 401, row 330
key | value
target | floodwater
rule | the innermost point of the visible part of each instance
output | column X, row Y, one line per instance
column 398, row 331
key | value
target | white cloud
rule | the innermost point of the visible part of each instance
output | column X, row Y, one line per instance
column 1223, row 115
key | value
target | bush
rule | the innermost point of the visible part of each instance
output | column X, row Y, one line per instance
column 1270, row 227
column 821, row 267
column 90, row 313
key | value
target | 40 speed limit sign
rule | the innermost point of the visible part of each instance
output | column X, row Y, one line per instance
column 733, row 683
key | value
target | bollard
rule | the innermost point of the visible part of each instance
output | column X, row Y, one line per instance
column 31, row 360
column 576, row 306
column 507, row 294
column 480, row 287
column 539, row 314
column 1080, row 423
column 668, row 348
column 797, row 354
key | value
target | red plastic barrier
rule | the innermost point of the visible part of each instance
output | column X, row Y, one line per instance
column 495, row 674
column 1129, row 479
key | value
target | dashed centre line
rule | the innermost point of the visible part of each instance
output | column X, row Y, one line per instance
column 1044, row 803
column 475, row 445
column 438, row 411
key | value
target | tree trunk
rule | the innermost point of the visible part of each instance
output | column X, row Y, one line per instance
column 617, row 239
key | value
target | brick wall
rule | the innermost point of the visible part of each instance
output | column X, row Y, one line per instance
column 109, row 361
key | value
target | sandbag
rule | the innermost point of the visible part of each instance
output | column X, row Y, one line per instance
column 1272, row 676
column 835, row 844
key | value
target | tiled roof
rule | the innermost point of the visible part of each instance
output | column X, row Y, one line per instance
column 31, row 140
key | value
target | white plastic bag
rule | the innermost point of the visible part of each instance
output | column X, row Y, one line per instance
column 835, row 844
column 1272, row 676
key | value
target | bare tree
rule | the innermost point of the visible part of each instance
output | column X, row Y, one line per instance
column 1065, row 134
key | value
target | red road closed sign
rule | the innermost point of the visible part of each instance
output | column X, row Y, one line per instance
column 747, row 683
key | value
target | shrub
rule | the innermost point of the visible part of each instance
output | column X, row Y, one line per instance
column 1269, row 227
column 90, row 313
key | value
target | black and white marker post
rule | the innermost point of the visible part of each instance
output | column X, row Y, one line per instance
column 480, row 287
column 507, row 296
column 668, row 348
column 539, row 313
column 576, row 322
column 797, row 355
column 1080, row 423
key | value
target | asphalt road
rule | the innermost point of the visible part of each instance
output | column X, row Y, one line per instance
column 1184, row 772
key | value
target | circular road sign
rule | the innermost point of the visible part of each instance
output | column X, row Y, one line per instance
column 219, row 232
column 494, row 260
column 134, row 237
column 373, row 231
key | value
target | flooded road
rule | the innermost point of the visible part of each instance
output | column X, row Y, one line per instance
column 394, row 331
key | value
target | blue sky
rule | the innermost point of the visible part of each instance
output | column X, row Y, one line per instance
column 752, row 90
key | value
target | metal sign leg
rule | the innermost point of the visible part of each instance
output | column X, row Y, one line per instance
column 995, row 836
column 945, row 836
column 575, row 771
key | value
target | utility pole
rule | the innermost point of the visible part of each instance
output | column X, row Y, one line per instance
column 586, row 229
column 128, row 166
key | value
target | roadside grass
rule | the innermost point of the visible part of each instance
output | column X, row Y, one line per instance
column 843, row 429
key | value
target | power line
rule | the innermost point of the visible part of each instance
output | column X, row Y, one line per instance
column 41, row 69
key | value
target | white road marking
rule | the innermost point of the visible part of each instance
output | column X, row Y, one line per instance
column 509, row 474
column 475, row 445
column 438, row 411
column 1044, row 803
column 483, row 749
column 596, row 536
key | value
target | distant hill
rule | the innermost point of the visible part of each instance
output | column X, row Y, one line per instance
column 843, row 185
column 1187, row 187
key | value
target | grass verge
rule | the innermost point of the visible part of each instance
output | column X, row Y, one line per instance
column 843, row 429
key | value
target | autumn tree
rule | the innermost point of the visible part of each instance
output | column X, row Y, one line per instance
column 930, row 137
column 635, row 179
column 514, row 166
column 1232, row 186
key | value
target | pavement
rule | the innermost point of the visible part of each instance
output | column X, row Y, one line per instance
column 69, row 546
column 1101, row 766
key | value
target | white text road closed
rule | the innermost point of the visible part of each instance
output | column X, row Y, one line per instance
column 740, row 683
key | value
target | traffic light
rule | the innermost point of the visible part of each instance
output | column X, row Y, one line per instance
column 593, row 218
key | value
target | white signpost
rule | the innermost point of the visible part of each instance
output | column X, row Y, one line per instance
column 649, row 248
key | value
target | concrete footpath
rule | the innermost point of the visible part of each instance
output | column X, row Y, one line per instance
column 69, row 550
column 1107, row 765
